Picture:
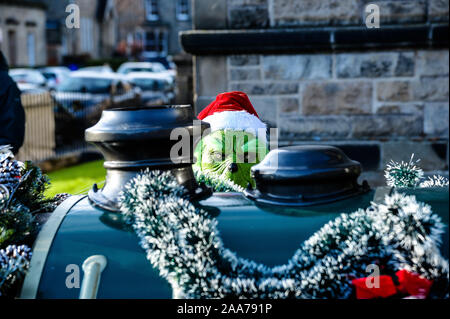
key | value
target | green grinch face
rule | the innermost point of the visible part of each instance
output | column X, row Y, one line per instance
column 230, row 154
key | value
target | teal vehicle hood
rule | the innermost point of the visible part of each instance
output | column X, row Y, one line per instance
column 266, row 234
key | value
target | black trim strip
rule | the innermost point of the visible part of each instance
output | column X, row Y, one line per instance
column 440, row 35
column 203, row 42
column 25, row 3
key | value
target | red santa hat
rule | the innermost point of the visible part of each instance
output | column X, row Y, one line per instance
column 232, row 111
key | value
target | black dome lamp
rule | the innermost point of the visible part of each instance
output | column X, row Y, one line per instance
column 305, row 175
column 133, row 139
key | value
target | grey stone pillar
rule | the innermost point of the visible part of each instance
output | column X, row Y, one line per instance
column 209, row 14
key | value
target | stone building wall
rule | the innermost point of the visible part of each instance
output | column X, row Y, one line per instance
column 168, row 17
column 88, row 9
column 132, row 17
column 377, row 103
column 17, row 21
column 239, row 14
column 390, row 94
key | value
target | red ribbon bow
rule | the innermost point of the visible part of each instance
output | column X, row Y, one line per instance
column 383, row 286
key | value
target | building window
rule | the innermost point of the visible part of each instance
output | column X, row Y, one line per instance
column 12, row 50
column 31, row 46
column 151, row 9
column 139, row 36
column 183, row 10
column 156, row 43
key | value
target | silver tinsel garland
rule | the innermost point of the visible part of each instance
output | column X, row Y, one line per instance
column 14, row 262
column 10, row 169
column 22, row 187
column 184, row 244
column 435, row 181
column 410, row 175
column 403, row 174
column 215, row 182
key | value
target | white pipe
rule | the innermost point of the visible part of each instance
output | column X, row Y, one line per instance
column 92, row 268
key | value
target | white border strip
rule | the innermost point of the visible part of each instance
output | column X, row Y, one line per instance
column 42, row 246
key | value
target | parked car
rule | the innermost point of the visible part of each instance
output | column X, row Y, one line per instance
column 164, row 60
column 29, row 76
column 55, row 74
column 154, row 67
column 156, row 88
column 29, row 88
column 82, row 96
column 100, row 68
column 128, row 67
column 85, row 89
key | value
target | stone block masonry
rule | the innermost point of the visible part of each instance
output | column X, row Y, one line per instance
column 312, row 70
column 295, row 13
column 357, row 95
column 392, row 100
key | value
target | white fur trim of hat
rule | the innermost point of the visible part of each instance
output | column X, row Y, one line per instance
column 237, row 121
